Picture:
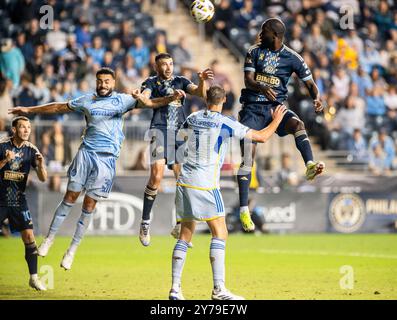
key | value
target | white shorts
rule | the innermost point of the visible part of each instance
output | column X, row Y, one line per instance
column 93, row 172
column 203, row 205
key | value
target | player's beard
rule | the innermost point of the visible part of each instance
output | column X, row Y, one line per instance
column 108, row 93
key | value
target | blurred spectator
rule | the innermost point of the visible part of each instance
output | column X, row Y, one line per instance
column 224, row 17
column 287, row 177
column 219, row 77
column 26, row 47
column 387, row 148
column 5, row 102
column 56, row 38
column 315, row 41
column 34, row 34
column 228, row 106
column 160, row 44
column 117, row 51
column 181, row 55
column 25, row 94
column 346, row 56
column 378, row 164
column 357, row 146
column 340, row 81
column 35, row 66
column 140, row 52
column 12, row 62
column 246, row 16
column 97, row 51
column 126, row 35
column 370, row 57
column 83, row 35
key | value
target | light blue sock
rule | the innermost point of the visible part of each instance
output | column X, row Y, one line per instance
column 217, row 258
column 178, row 261
column 61, row 213
column 82, row 225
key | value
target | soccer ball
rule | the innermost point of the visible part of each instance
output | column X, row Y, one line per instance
column 202, row 10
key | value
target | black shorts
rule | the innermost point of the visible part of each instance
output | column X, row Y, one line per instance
column 164, row 145
column 19, row 218
column 258, row 116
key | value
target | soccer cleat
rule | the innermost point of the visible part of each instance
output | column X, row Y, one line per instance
column 144, row 235
column 45, row 246
column 35, row 283
column 176, row 295
column 246, row 222
column 314, row 169
column 224, row 294
column 67, row 260
column 176, row 231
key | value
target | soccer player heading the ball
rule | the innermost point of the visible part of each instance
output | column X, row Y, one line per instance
column 268, row 67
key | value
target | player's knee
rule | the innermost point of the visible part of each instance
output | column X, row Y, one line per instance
column 27, row 236
column 89, row 204
column 299, row 126
column 71, row 196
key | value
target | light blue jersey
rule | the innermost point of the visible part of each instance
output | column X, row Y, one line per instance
column 104, row 131
column 208, row 136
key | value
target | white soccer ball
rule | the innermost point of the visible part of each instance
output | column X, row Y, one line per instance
column 202, row 10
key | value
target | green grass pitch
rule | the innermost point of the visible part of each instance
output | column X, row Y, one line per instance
column 257, row 267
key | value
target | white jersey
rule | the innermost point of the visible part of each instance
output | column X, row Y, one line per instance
column 208, row 136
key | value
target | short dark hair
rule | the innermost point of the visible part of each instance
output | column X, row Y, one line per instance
column 276, row 25
column 215, row 94
column 164, row 55
column 15, row 121
column 106, row 70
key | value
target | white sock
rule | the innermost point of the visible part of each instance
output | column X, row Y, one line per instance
column 217, row 258
column 178, row 261
column 82, row 225
column 244, row 209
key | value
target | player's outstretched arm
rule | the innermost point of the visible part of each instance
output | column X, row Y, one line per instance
column 264, row 134
column 251, row 83
column 41, row 168
column 145, row 102
column 54, row 107
column 314, row 93
column 201, row 89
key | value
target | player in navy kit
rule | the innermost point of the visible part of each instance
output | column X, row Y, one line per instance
column 164, row 125
column 267, row 70
column 17, row 155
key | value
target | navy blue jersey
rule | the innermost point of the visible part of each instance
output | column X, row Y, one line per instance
column 172, row 115
column 14, row 175
column 274, row 69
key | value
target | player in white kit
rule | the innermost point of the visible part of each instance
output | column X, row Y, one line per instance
column 198, row 195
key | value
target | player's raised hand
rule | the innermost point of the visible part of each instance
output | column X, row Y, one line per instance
column 318, row 106
column 10, row 155
column 39, row 159
column 206, row 74
column 269, row 93
column 178, row 94
column 136, row 94
column 19, row 111
column 279, row 113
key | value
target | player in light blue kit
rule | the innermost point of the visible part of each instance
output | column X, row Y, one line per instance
column 93, row 168
column 198, row 195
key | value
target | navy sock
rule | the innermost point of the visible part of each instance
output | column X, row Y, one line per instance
column 303, row 144
column 31, row 257
column 148, row 200
column 244, row 181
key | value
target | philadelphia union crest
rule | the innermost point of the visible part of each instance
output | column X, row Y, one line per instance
column 347, row 213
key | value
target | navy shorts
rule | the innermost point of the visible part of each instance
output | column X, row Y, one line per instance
column 18, row 217
column 164, row 145
column 258, row 116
